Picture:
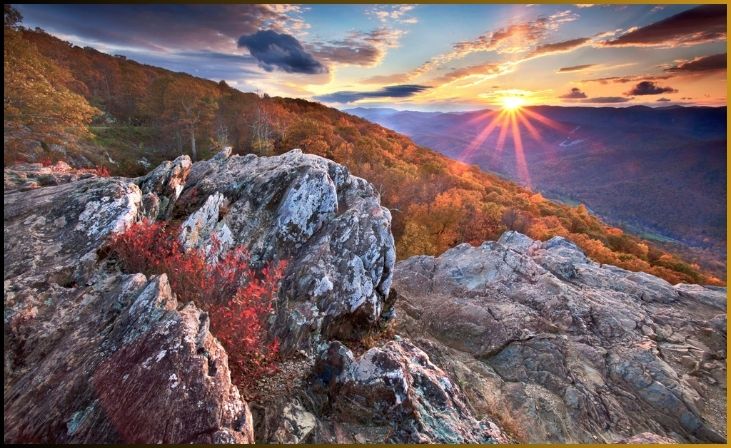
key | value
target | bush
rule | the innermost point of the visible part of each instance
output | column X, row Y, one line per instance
column 238, row 298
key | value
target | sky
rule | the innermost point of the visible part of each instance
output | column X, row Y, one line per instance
column 421, row 57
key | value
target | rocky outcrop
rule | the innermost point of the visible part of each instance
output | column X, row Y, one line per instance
column 92, row 355
column 310, row 212
column 563, row 349
column 28, row 176
column 513, row 337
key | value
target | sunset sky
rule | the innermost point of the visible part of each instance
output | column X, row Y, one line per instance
column 421, row 57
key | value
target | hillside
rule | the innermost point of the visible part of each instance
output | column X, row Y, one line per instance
column 658, row 172
column 135, row 116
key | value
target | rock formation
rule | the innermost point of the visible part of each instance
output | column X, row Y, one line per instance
column 512, row 340
column 563, row 349
column 95, row 355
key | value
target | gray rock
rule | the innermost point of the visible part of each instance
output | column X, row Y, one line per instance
column 95, row 356
column 310, row 212
column 561, row 349
column 395, row 394
column 166, row 183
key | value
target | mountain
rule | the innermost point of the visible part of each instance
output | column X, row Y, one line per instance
column 136, row 116
column 656, row 172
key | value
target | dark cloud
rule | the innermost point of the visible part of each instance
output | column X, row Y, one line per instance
column 575, row 93
column 649, row 88
column 161, row 27
column 626, row 79
column 575, row 68
column 607, row 99
column 399, row 91
column 701, row 24
column 701, row 64
column 663, row 100
column 559, row 47
column 282, row 51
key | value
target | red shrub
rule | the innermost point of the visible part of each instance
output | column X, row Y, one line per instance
column 101, row 171
column 237, row 297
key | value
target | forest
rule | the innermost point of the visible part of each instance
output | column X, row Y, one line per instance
column 64, row 102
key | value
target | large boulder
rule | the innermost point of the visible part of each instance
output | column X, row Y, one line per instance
column 563, row 349
column 326, row 224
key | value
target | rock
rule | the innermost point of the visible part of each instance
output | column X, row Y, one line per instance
column 395, row 391
column 295, row 425
column 646, row 438
column 29, row 176
column 310, row 212
column 95, row 356
column 166, row 183
column 562, row 349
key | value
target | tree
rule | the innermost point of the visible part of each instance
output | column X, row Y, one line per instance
column 185, row 109
column 35, row 96
column 261, row 129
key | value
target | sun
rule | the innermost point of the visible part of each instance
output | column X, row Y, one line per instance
column 512, row 103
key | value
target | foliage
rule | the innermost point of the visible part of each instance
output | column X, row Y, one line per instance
column 36, row 99
column 238, row 298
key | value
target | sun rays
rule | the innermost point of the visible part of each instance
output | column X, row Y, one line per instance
column 509, row 122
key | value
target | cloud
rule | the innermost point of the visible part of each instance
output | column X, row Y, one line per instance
column 488, row 69
column 560, row 47
column 515, row 38
column 649, row 88
column 663, row 100
column 359, row 48
column 398, row 91
column 393, row 13
column 710, row 63
column 575, row 93
column 575, row 68
column 705, row 23
column 607, row 99
column 628, row 78
column 278, row 50
column 163, row 27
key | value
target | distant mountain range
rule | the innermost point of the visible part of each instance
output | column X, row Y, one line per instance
column 658, row 172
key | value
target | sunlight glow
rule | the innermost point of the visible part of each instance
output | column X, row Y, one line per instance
column 512, row 103
column 514, row 115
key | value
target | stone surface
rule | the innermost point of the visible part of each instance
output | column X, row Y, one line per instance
column 165, row 183
column 562, row 349
column 395, row 394
column 325, row 223
column 92, row 355
column 28, row 176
